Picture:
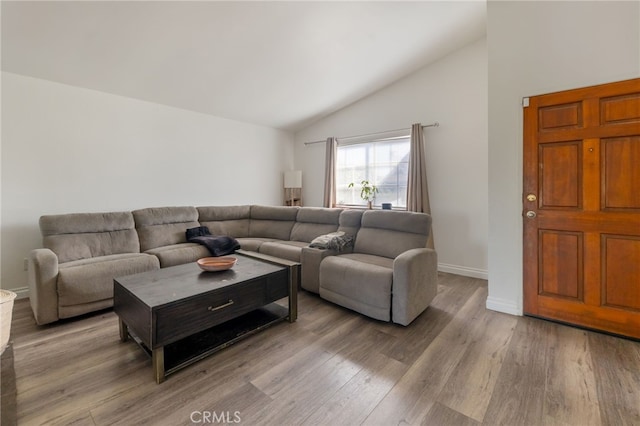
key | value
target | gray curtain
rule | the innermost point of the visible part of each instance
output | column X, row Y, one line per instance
column 417, row 191
column 330, row 173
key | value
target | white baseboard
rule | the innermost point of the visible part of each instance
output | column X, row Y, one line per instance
column 503, row 305
column 464, row 271
column 21, row 292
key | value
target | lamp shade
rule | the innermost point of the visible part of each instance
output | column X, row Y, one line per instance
column 293, row 179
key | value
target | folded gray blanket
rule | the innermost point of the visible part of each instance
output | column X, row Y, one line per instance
column 337, row 241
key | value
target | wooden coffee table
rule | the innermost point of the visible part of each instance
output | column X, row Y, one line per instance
column 182, row 314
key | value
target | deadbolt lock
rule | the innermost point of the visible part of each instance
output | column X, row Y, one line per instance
column 531, row 197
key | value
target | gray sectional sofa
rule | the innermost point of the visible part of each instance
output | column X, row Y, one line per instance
column 387, row 274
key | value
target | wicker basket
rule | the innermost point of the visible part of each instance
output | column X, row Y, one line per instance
column 6, row 310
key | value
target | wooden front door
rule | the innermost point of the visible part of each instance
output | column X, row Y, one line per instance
column 581, row 207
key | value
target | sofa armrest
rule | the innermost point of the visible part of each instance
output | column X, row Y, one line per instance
column 43, row 289
column 415, row 283
column 310, row 259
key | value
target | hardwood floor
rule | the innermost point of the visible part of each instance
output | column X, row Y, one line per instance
column 457, row 364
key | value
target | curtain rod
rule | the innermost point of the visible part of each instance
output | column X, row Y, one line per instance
column 435, row 124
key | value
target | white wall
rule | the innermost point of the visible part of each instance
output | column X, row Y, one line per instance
column 536, row 48
column 67, row 149
column 452, row 91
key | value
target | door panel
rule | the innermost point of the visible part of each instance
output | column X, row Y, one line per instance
column 560, row 174
column 621, row 269
column 561, row 260
column 581, row 207
column 621, row 173
column 620, row 109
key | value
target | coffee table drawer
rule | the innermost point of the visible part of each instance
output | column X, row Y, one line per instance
column 190, row 316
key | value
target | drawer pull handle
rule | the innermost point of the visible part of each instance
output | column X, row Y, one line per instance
column 211, row 308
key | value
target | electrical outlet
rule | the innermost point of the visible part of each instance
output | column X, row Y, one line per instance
column 25, row 264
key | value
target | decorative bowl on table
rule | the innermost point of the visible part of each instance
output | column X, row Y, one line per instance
column 213, row 264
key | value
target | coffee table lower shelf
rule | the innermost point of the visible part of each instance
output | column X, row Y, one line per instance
column 175, row 356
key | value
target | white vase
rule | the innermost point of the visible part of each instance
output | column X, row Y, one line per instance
column 6, row 311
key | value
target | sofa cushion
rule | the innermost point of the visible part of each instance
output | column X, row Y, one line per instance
column 85, row 235
column 91, row 280
column 253, row 244
column 164, row 226
column 389, row 233
column 290, row 250
column 349, row 221
column 359, row 282
column 368, row 259
column 403, row 221
column 178, row 254
column 272, row 222
column 226, row 220
column 312, row 222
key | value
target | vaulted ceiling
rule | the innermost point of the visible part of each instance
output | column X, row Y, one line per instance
column 277, row 64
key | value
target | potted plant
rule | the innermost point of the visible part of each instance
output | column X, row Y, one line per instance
column 367, row 192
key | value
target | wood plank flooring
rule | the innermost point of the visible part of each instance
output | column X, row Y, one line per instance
column 457, row 364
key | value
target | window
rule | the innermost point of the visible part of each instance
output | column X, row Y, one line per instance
column 384, row 163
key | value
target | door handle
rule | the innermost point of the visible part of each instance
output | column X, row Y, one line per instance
column 531, row 214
